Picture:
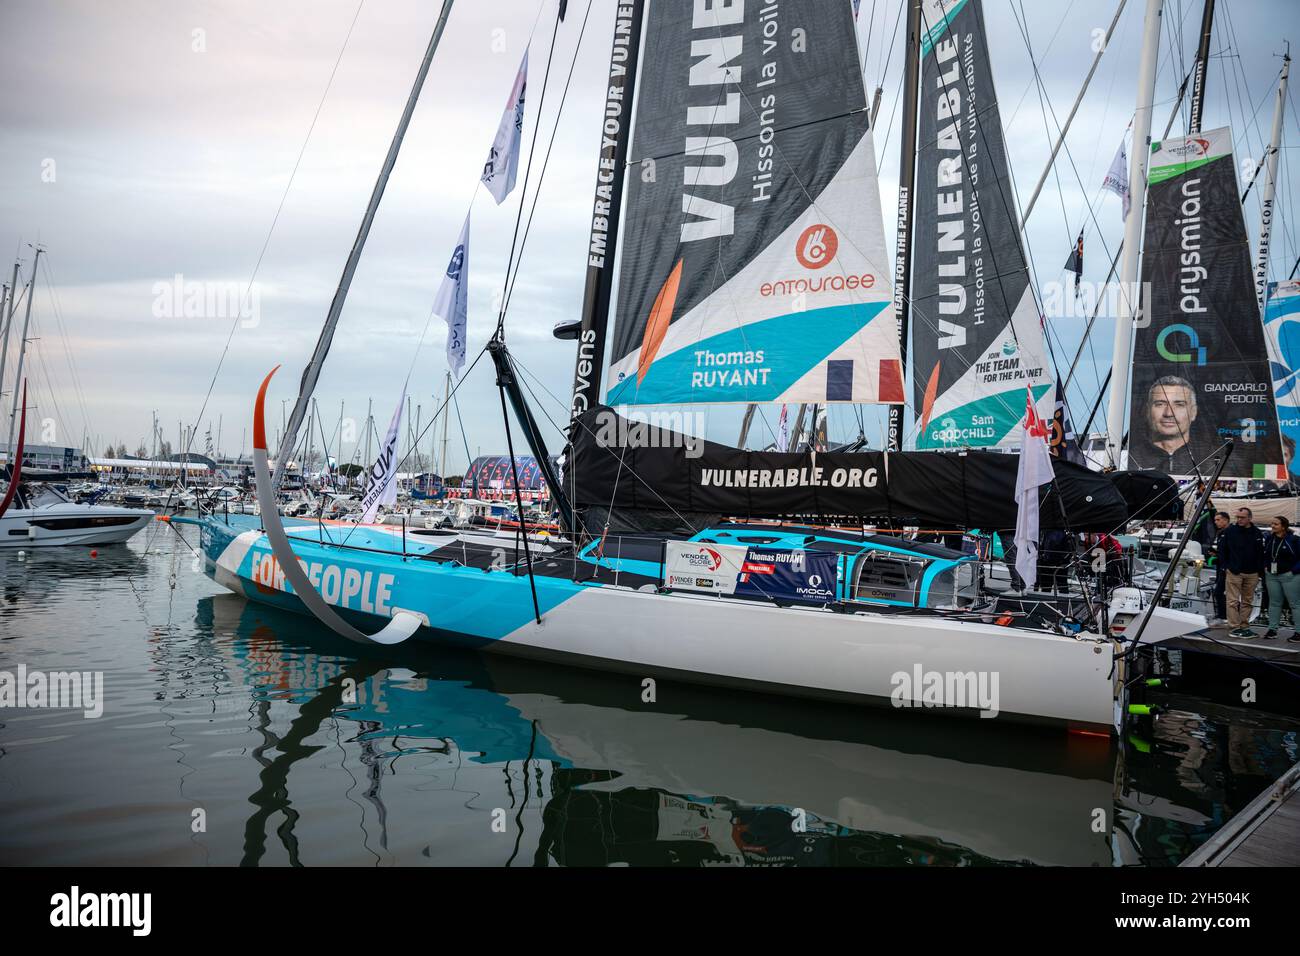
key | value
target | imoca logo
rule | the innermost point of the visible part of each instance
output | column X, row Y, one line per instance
column 1196, row 353
column 817, row 246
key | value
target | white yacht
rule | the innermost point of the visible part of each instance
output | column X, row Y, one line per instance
column 41, row 516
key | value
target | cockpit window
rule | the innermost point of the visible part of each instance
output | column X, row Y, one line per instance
column 888, row 576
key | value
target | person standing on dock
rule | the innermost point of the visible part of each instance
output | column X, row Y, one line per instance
column 1222, row 522
column 1281, row 573
column 1241, row 552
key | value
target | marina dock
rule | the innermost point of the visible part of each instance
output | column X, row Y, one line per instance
column 1217, row 641
column 1265, row 833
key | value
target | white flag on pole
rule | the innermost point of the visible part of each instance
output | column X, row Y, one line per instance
column 452, row 303
column 503, row 159
column 1035, row 470
column 381, row 482
column 1117, row 176
column 783, row 430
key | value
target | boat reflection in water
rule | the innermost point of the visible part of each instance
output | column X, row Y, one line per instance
column 573, row 768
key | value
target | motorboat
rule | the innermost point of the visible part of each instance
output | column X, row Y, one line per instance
column 41, row 516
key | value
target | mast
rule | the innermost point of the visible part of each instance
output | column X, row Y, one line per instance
column 607, row 204
column 370, row 408
column 1114, row 264
column 446, row 413
column 745, row 424
column 1060, row 140
column 7, row 314
column 1201, row 68
column 414, row 450
column 796, row 432
column 22, row 349
column 1137, row 177
column 906, row 192
column 4, row 309
column 311, row 374
column 1270, row 186
column 311, row 439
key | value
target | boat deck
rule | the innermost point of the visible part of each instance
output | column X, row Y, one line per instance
column 1265, row 833
column 1215, row 641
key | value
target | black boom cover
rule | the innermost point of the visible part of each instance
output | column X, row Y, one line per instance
column 634, row 467
column 1151, row 495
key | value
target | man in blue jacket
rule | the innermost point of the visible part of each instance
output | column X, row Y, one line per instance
column 1241, row 552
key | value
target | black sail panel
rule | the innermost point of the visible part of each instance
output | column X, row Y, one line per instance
column 636, row 467
column 1200, row 362
column 752, row 261
column 977, row 341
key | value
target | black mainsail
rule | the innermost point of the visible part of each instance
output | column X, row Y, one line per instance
column 752, row 261
column 977, row 341
column 1200, row 366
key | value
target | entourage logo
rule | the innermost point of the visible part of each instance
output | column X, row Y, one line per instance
column 969, row 689
column 71, row 690
column 75, row 909
column 817, row 246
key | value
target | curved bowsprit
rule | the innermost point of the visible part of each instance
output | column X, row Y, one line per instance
column 402, row 625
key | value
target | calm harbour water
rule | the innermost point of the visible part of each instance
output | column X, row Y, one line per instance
column 234, row 734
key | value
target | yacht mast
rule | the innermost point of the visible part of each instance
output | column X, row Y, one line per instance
column 22, row 349
column 311, row 374
column 607, row 205
column 1139, row 156
column 1270, row 186
column 7, row 314
column 906, row 194
column 1060, row 139
column 745, row 424
column 1201, row 68
column 446, row 413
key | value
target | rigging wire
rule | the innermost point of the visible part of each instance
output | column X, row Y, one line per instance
column 274, row 220
column 528, row 171
column 1049, row 330
column 893, row 43
column 564, row 96
column 57, row 310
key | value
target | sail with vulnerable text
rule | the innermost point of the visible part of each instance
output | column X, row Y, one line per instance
column 753, row 263
column 977, row 340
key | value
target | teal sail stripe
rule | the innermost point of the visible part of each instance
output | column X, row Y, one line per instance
column 754, row 363
column 935, row 32
column 978, row 424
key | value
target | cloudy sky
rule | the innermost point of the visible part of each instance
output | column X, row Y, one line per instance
column 149, row 139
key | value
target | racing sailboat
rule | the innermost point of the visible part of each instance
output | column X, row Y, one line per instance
column 752, row 268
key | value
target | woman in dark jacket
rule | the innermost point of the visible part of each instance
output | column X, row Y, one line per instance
column 1281, row 573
